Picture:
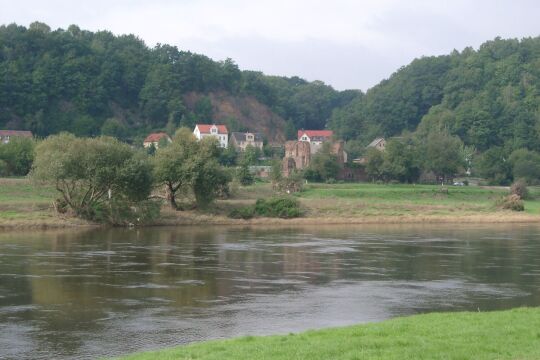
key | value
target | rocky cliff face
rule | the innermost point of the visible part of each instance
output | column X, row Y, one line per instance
column 248, row 112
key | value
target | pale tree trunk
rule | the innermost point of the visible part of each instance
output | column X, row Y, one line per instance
column 171, row 197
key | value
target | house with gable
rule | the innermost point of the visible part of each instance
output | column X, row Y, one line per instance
column 155, row 138
column 378, row 143
column 315, row 136
column 220, row 132
column 6, row 135
column 241, row 140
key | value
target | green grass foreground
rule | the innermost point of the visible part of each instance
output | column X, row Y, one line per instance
column 513, row 334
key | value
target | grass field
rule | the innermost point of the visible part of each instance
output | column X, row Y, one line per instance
column 372, row 199
column 22, row 204
column 513, row 334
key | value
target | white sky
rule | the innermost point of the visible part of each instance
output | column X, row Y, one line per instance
column 345, row 43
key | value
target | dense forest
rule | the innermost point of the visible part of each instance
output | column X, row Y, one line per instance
column 488, row 97
column 92, row 83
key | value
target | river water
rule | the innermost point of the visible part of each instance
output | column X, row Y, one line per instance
column 92, row 293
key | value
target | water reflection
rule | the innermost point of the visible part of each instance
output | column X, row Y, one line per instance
column 84, row 294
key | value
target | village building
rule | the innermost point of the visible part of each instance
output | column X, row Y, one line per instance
column 241, row 140
column 378, row 143
column 6, row 135
column 297, row 156
column 315, row 138
column 220, row 132
column 155, row 138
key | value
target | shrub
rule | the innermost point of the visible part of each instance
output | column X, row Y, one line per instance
column 3, row 168
column 244, row 177
column 512, row 202
column 282, row 207
column 17, row 156
column 291, row 184
column 123, row 212
column 246, row 212
column 519, row 188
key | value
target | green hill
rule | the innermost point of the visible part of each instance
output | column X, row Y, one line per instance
column 91, row 83
column 488, row 97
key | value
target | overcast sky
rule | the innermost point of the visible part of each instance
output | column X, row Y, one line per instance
column 345, row 43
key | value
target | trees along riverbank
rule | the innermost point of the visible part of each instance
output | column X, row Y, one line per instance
column 103, row 180
column 500, row 335
column 107, row 181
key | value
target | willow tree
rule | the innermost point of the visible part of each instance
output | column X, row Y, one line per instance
column 92, row 173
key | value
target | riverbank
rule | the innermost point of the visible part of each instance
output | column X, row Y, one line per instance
column 23, row 205
column 509, row 334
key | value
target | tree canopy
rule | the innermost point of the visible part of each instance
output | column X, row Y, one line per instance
column 488, row 97
column 92, row 83
column 93, row 175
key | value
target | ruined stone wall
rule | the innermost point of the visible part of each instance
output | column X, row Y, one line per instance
column 297, row 156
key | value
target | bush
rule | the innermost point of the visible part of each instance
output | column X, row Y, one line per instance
column 123, row 212
column 17, row 156
column 244, row 177
column 282, row 207
column 512, row 202
column 291, row 184
column 3, row 168
column 519, row 188
column 245, row 213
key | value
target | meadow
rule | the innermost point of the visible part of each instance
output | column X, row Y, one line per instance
column 512, row 334
column 25, row 204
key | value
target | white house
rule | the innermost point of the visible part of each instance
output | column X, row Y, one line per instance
column 315, row 138
column 218, row 131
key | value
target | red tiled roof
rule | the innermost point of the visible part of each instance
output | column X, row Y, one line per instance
column 312, row 133
column 205, row 128
column 15, row 133
column 155, row 137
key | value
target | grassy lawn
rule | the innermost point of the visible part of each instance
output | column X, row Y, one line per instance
column 22, row 203
column 513, row 334
column 392, row 200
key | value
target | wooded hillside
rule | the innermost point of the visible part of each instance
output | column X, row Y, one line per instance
column 489, row 97
column 98, row 83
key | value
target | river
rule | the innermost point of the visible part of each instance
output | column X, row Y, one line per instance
column 94, row 293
